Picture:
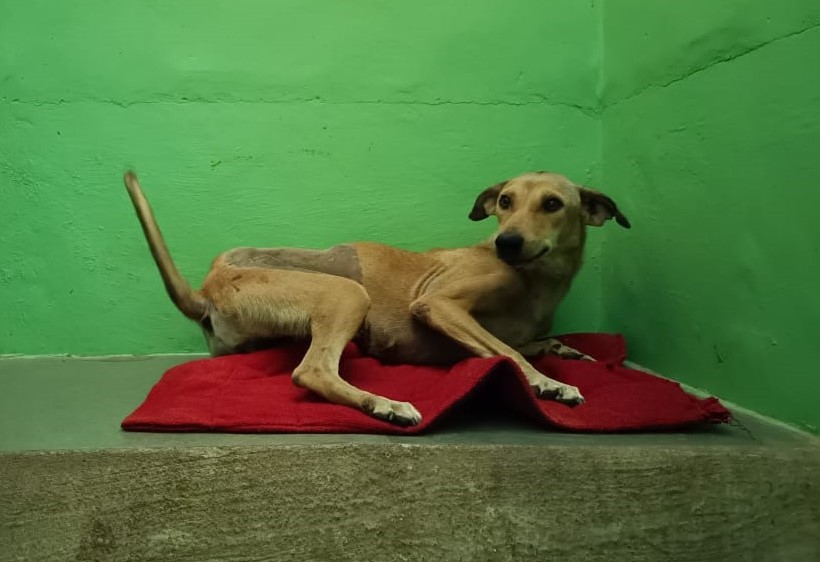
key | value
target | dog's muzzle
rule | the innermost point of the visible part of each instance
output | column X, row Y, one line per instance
column 508, row 246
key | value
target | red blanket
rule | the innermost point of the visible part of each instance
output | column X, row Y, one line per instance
column 253, row 393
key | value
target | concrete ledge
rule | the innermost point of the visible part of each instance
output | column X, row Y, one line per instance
column 484, row 487
column 413, row 502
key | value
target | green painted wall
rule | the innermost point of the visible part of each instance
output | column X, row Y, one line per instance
column 309, row 123
column 293, row 122
column 711, row 128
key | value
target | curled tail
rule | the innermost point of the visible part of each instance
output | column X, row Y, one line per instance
column 189, row 302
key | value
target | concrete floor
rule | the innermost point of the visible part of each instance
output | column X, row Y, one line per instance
column 77, row 404
column 484, row 486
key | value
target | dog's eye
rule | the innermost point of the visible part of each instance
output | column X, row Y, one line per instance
column 552, row 204
column 505, row 202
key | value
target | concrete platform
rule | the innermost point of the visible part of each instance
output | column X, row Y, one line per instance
column 485, row 486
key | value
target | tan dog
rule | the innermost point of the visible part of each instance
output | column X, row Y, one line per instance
column 435, row 307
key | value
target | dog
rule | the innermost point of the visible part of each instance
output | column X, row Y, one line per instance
column 437, row 307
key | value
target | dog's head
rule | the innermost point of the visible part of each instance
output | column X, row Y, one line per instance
column 540, row 213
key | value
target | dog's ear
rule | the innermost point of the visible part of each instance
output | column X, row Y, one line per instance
column 485, row 202
column 598, row 208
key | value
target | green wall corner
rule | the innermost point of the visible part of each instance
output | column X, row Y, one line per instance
column 712, row 134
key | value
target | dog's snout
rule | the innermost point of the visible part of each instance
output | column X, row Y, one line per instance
column 509, row 245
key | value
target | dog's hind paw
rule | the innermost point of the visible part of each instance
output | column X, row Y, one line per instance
column 399, row 413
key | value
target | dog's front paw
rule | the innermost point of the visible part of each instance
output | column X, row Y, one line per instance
column 569, row 395
column 545, row 387
column 399, row 413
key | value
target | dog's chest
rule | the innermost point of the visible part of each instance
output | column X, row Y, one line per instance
column 514, row 326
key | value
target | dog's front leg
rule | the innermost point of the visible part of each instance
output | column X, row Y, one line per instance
column 552, row 346
column 447, row 311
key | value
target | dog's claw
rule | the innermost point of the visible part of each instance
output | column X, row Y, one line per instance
column 563, row 393
column 569, row 395
column 399, row 413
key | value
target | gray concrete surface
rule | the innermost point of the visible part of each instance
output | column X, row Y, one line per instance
column 483, row 487
column 78, row 403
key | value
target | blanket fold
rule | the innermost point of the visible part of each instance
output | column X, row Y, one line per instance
column 253, row 393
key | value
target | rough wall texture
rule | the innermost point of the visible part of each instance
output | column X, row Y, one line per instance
column 713, row 134
column 264, row 123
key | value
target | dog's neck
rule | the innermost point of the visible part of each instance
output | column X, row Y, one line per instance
column 549, row 280
column 562, row 264
column 557, row 267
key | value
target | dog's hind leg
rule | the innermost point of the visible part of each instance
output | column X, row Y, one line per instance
column 335, row 317
column 253, row 303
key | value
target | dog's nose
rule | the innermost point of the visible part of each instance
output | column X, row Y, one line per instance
column 509, row 245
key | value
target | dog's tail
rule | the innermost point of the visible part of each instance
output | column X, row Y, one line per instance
column 189, row 302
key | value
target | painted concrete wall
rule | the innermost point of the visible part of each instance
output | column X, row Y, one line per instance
column 711, row 128
column 265, row 123
column 305, row 124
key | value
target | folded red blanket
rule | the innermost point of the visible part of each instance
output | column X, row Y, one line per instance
column 254, row 393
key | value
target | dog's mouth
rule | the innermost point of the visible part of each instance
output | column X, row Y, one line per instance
column 519, row 261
